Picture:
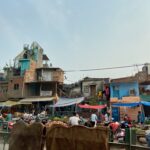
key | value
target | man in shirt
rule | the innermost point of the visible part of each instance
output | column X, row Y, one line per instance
column 74, row 120
column 93, row 119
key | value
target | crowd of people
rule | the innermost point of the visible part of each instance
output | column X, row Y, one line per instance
column 94, row 119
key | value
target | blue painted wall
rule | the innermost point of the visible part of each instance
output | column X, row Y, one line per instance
column 25, row 65
column 122, row 89
column 116, row 113
column 35, row 56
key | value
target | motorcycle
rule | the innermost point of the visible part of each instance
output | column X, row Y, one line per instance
column 117, row 131
column 8, row 126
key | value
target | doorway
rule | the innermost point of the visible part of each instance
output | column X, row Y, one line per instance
column 116, row 113
column 92, row 90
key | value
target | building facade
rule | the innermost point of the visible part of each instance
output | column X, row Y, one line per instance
column 31, row 75
column 124, row 90
column 91, row 86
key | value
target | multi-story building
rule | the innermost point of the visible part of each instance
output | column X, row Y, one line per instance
column 87, row 87
column 31, row 76
column 124, row 90
column 91, row 86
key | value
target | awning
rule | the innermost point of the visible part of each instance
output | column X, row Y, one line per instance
column 62, row 102
column 12, row 103
column 131, row 104
column 126, row 104
column 92, row 107
column 24, row 103
column 145, row 98
column 40, row 99
column 1, row 104
column 145, row 103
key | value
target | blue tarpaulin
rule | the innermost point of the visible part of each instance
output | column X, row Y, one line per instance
column 145, row 103
column 131, row 104
column 126, row 104
column 62, row 102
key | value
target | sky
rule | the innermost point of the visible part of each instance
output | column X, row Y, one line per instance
column 79, row 34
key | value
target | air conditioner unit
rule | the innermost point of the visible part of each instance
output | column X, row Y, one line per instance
column 132, row 92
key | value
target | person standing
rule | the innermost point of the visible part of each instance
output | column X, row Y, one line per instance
column 74, row 120
column 106, row 117
column 9, row 116
column 140, row 117
column 93, row 119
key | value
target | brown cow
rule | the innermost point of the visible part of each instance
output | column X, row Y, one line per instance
column 26, row 137
column 76, row 138
column 58, row 137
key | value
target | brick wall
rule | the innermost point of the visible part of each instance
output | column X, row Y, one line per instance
column 58, row 76
column 3, row 91
column 15, row 87
column 132, row 112
column 30, row 75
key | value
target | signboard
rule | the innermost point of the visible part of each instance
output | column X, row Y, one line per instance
column 46, row 93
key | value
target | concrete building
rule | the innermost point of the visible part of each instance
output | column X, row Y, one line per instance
column 91, row 86
column 124, row 90
column 31, row 76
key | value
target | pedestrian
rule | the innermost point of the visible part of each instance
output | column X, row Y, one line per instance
column 127, row 119
column 106, row 117
column 74, row 120
column 140, row 118
column 9, row 116
column 93, row 119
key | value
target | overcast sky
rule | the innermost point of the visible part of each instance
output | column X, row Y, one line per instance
column 79, row 34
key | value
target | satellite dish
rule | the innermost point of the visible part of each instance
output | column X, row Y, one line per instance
column 50, row 65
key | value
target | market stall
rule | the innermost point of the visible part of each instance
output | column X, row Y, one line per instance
column 66, row 106
column 86, row 106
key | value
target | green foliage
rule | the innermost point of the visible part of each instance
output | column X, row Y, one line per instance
column 147, row 122
column 63, row 119
column 93, row 101
column 56, row 119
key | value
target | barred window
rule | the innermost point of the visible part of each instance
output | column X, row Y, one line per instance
column 86, row 89
column 16, row 86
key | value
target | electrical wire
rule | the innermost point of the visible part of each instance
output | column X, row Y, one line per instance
column 109, row 68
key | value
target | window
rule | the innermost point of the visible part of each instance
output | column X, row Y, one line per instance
column 16, row 86
column 132, row 92
column 86, row 89
column 116, row 88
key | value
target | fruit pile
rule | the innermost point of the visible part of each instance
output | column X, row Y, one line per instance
column 50, row 124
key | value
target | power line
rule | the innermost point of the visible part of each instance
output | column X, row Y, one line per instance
column 109, row 68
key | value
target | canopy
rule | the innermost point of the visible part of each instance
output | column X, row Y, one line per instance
column 145, row 103
column 145, row 98
column 62, row 102
column 1, row 104
column 92, row 107
column 131, row 104
column 39, row 99
column 9, row 103
column 12, row 103
column 126, row 104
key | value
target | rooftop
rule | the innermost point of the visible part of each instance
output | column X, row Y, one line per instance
column 45, row 57
column 49, row 68
column 124, row 79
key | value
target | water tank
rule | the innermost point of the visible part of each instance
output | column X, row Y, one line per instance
column 146, row 68
column 26, row 46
